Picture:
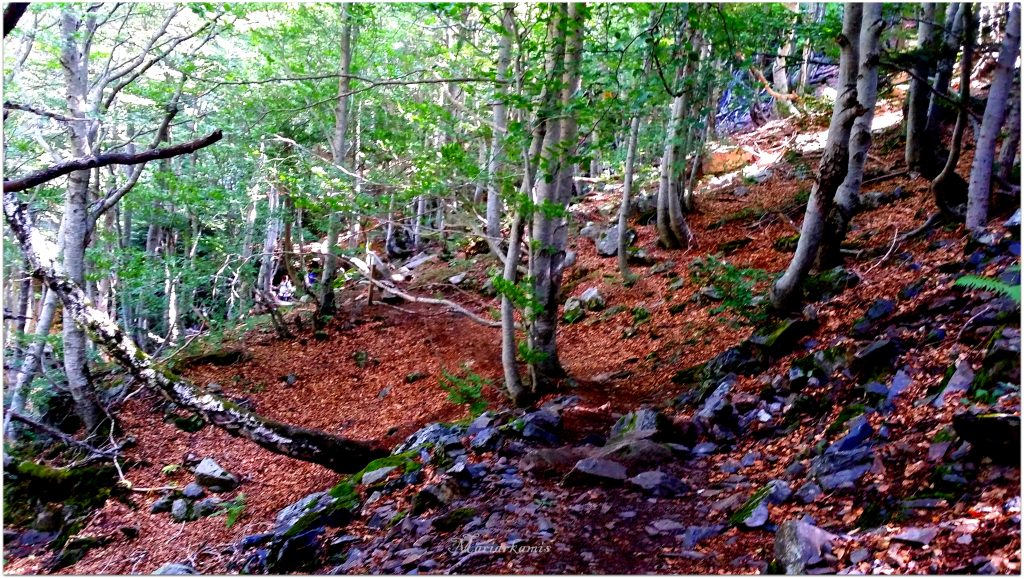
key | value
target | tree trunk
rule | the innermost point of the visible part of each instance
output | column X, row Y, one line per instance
column 339, row 454
column 818, row 11
column 627, row 191
column 268, row 261
column 780, row 74
column 673, row 231
column 500, row 120
column 1008, row 151
column 917, row 97
column 992, row 122
column 948, row 188
column 33, row 356
column 847, row 199
column 787, row 290
column 338, row 147
column 944, row 70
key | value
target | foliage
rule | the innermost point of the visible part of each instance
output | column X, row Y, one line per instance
column 466, row 389
column 735, row 284
column 989, row 284
column 234, row 509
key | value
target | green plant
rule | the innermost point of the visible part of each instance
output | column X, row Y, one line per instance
column 170, row 469
column 735, row 284
column 466, row 389
column 234, row 509
column 991, row 285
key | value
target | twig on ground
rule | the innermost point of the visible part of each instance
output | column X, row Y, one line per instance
column 968, row 323
column 895, row 241
column 884, row 177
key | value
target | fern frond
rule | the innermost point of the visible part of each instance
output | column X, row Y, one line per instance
column 989, row 284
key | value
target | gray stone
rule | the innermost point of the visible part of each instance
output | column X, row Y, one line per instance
column 758, row 516
column 193, row 491
column 162, row 505
column 207, row 507
column 181, row 511
column 859, row 556
column 315, row 509
column 486, row 440
column 659, row 484
column 844, row 478
column 642, row 420
column 375, row 476
column 667, row 526
column 799, row 545
column 545, row 419
column 918, row 536
column 780, row 492
column 429, row 435
column 696, row 534
column 592, row 299
column 716, row 400
column 480, row 423
column 175, row 569
column 859, row 431
column 960, row 381
column 608, row 241
column 212, row 476
column 808, row 493
column 593, row 469
column 572, row 311
column 637, row 452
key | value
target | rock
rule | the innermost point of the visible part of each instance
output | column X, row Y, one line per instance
column 534, row 432
column 432, row 495
column 875, row 355
column 960, row 381
column 730, row 467
column 659, row 484
column 696, row 534
column 754, row 512
column 710, row 293
column 844, row 478
column 162, row 505
column 780, row 492
column 430, row 434
column 995, row 435
column 592, row 299
column 667, row 526
column 556, row 461
column 591, row 231
column 193, row 491
column 573, row 311
column 486, row 440
column 799, row 545
column 830, row 283
column 859, row 556
column 313, row 510
column 181, row 511
column 212, row 476
column 594, row 469
column 608, row 241
column 175, row 569
column 717, row 399
column 645, row 420
column 380, row 518
column 454, row 519
column 880, row 309
column 457, row 278
column 482, row 422
column 859, row 431
column 543, row 418
column 207, row 507
column 808, row 493
column 777, row 340
column 299, row 551
column 1013, row 223
column 918, row 536
column 900, row 382
column 637, row 452
column 375, row 476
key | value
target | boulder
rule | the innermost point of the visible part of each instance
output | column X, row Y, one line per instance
column 208, row 506
column 799, row 545
column 193, row 491
column 162, row 505
column 645, row 420
column 181, row 511
column 917, row 536
column 608, row 241
column 552, row 461
column 486, row 440
column 593, row 469
column 659, row 484
column 636, row 452
column 212, row 476
column 808, row 493
column 779, row 493
column 175, row 569
column 313, row 510
column 430, row 434
column 830, row 283
column 573, row 311
column 696, row 534
column 859, row 431
column 593, row 299
column 377, row 475
column 959, row 381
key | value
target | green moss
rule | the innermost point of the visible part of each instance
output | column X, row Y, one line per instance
column 786, row 243
column 855, row 409
column 454, row 519
column 573, row 315
column 396, row 519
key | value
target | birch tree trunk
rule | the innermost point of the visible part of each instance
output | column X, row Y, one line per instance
column 917, row 97
column 992, row 122
column 787, row 290
column 327, row 306
column 847, row 199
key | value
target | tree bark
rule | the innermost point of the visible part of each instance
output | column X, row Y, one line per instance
column 944, row 70
column 787, row 290
column 33, row 355
column 500, row 120
column 327, row 306
column 627, row 192
column 847, row 199
column 992, row 122
column 1008, row 150
column 917, row 96
column 947, row 188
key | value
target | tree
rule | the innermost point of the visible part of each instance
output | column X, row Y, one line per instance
column 992, row 121
column 787, row 290
column 917, row 96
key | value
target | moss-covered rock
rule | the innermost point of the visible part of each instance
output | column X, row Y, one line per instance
column 454, row 519
column 830, row 283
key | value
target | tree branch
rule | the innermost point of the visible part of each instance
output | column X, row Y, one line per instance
column 93, row 161
column 12, row 14
column 8, row 105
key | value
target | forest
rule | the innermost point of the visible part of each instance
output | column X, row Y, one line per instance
column 511, row 288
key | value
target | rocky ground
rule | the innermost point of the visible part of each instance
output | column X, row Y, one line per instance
column 876, row 431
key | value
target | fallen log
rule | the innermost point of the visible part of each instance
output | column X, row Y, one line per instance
column 334, row 452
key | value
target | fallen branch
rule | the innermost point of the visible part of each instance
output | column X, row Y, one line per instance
column 884, row 177
column 334, row 452
column 35, row 424
column 895, row 241
column 94, row 161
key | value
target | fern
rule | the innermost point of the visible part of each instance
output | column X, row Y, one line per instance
column 989, row 284
column 233, row 509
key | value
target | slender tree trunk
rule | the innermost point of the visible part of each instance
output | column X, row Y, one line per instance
column 818, row 11
column 327, row 306
column 780, row 72
column 1008, row 151
column 944, row 70
column 945, row 185
column 500, row 120
column 847, row 199
column 673, row 231
column 30, row 363
column 627, row 192
column 992, row 122
column 239, row 290
column 268, row 261
column 917, row 97
column 787, row 290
